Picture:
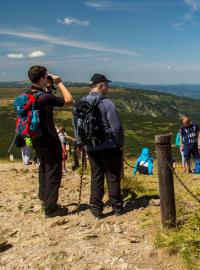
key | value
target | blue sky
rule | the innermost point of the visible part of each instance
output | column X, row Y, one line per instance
column 142, row 41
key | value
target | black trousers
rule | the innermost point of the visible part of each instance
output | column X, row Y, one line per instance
column 105, row 163
column 49, row 152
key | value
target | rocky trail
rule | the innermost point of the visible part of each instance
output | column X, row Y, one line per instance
column 71, row 242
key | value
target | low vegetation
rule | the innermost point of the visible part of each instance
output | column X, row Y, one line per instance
column 184, row 240
column 143, row 114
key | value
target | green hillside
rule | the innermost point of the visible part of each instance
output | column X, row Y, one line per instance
column 143, row 113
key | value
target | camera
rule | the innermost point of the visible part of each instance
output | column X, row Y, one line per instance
column 51, row 87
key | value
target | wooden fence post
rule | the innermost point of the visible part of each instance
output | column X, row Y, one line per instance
column 165, row 179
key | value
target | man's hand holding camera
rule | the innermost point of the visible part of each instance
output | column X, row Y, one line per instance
column 56, row 79
column 64, row 91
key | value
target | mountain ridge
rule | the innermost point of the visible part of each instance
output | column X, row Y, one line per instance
column 183, row 90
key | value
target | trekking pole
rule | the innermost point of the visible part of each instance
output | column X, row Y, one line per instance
column 12, row 143
column 75, row 158
column 11, row 147
column 122, row 167
column 81, row 180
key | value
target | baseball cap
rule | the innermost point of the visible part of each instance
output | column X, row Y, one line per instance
column 98, row 78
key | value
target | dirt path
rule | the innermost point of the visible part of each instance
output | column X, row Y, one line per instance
column 71, row 242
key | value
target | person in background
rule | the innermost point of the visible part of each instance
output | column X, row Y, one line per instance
column 189, row 145
column 199, row 144
column 184, row 165
column 63, row 140
column 144, row 163
column 26, row 151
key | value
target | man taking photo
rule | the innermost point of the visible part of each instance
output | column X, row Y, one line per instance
column 47, row 146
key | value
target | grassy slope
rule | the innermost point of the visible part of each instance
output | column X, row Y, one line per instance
column 184, row 240
column 143, row 114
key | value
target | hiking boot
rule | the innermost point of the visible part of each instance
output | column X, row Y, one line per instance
column 96, row 212
column 118, row 211
column 60, row 211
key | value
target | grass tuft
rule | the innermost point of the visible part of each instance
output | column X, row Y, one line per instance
column 184, row 241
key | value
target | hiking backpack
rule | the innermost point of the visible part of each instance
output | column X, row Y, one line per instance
column 197, row 166
column 27, row 121
column 142, row 169
column 87, row 122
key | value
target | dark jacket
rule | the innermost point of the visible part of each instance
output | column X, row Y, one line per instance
column 113, row 130
column 46, row 104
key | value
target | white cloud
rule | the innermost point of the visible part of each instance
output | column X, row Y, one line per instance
column 36, row 54
column 15, row 55
column 194, row 8
column 70, row 20
column 110, row 5
column 178, row 25
column 33, row 54
column 67, row 42
column 189, row 17
column 194, row 4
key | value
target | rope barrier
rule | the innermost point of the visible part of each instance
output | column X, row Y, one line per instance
column 131, row 166
column 177, row 177
column 182, row 183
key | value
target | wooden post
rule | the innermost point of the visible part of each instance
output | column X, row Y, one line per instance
column 165, row 179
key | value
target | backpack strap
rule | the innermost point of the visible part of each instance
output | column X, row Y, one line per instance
column 36, row 94
column 98, row 100
column 144, row 162
column 94, row 102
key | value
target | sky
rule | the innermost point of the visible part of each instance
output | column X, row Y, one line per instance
column 140, row 41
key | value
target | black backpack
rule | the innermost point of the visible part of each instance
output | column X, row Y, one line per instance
column 87, row 122
column 143, row 169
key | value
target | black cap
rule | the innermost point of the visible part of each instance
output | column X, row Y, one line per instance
column 98, row 78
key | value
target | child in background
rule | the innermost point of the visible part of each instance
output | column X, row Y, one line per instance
column 26, row 151
column 63, row 139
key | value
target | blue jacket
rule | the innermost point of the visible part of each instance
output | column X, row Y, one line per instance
column 178, row 139
column 113, row 130
column 144, row 159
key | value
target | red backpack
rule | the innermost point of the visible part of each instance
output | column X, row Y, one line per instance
column 27, row 109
